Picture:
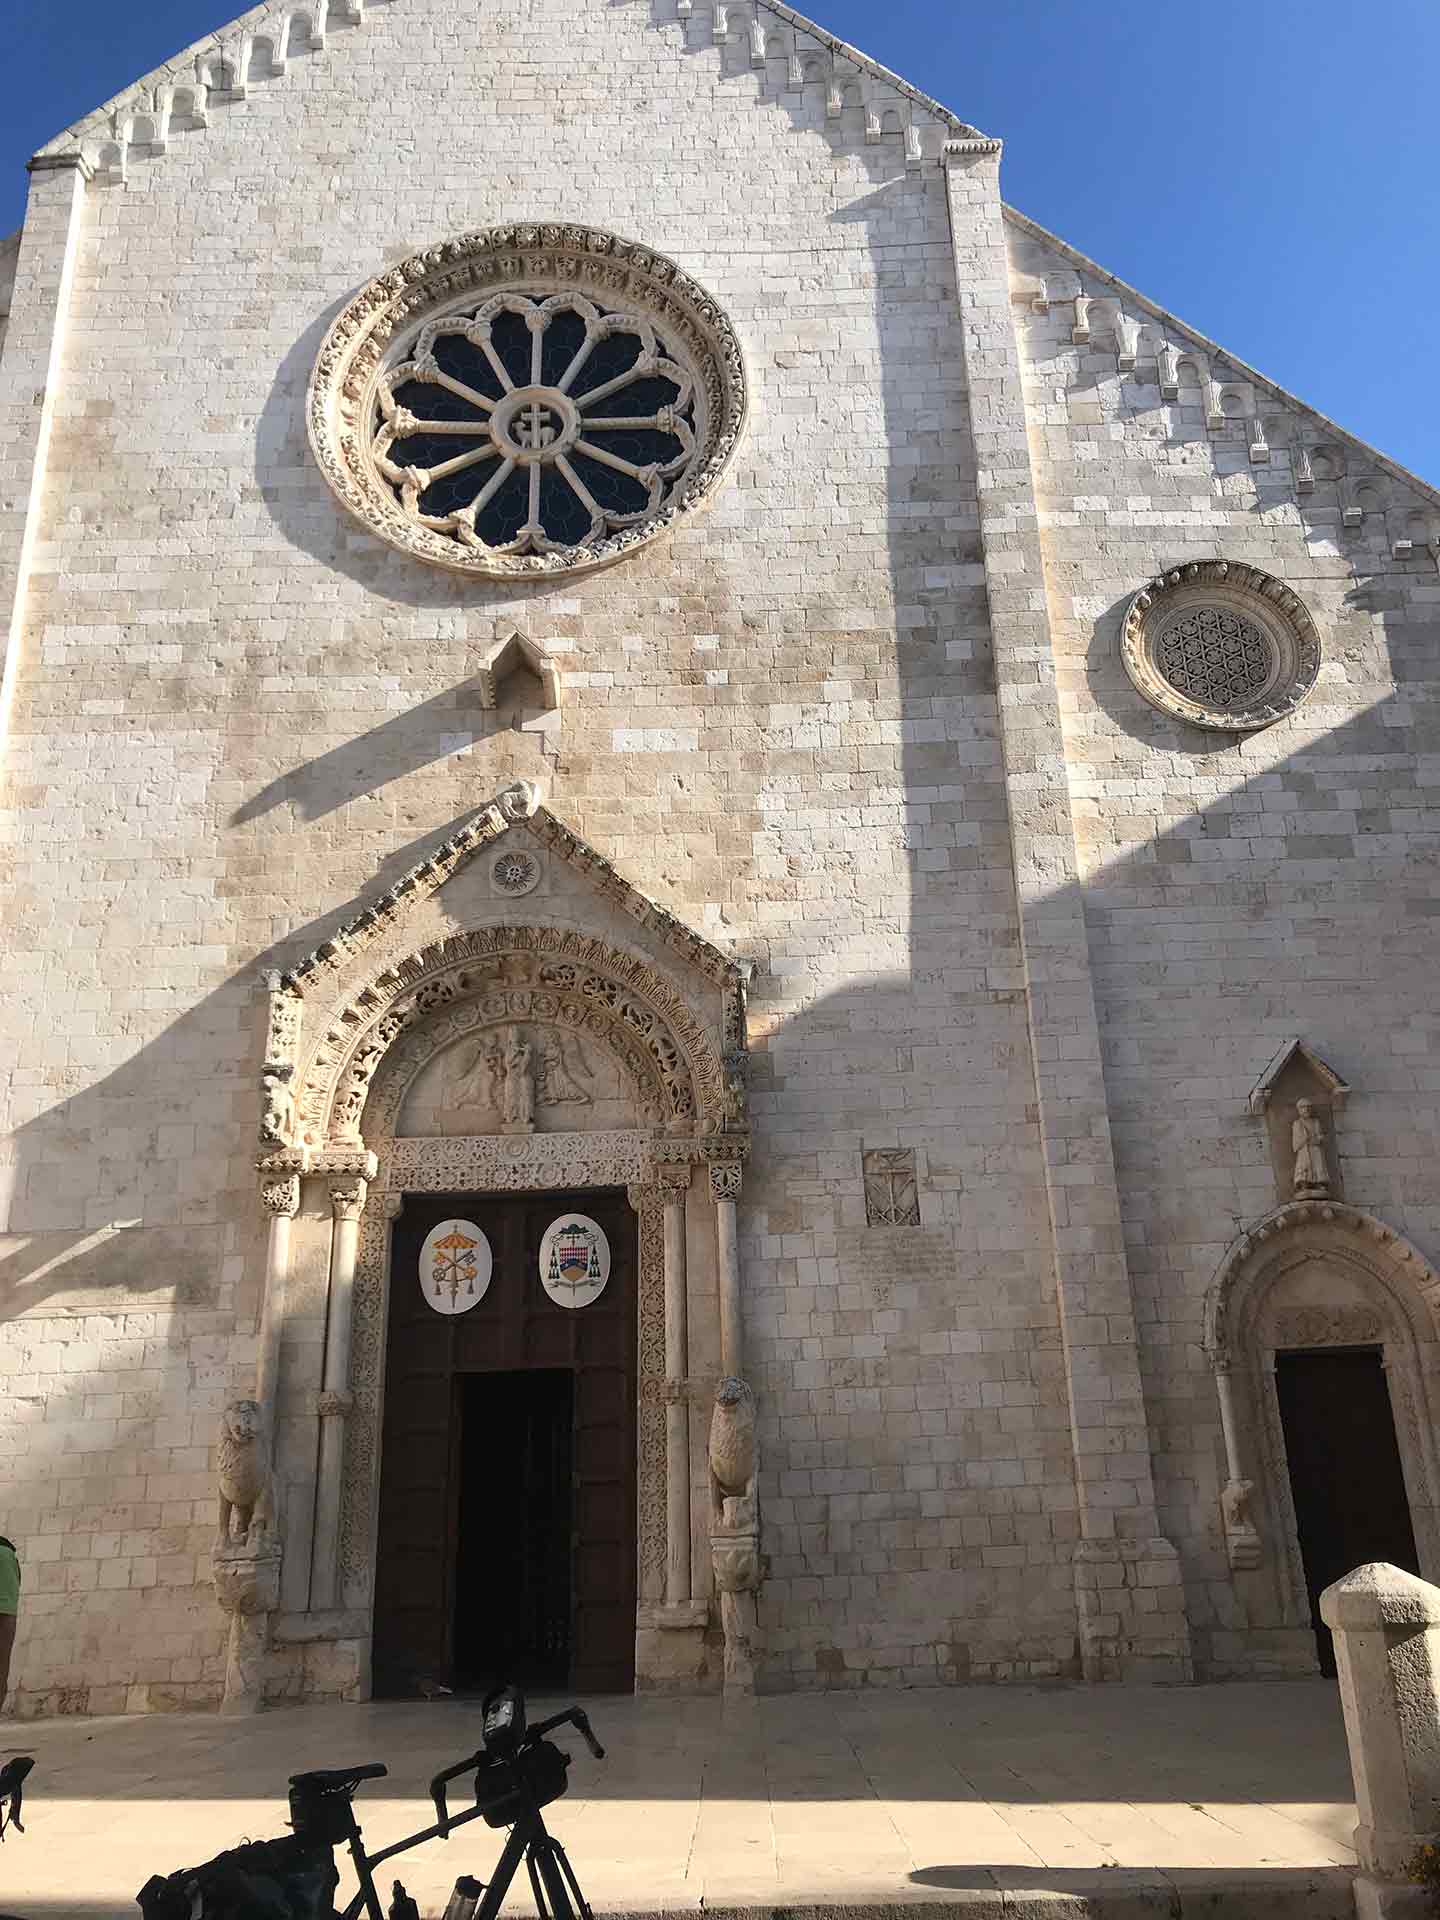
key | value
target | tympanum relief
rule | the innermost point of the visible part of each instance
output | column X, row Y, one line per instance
column 520, row 1079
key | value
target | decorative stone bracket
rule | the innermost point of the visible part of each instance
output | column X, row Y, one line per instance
column 247, row 1586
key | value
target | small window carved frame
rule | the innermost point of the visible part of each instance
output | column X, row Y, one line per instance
column 1221, row 646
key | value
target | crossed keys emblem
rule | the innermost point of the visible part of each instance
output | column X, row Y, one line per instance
column 453, row 1264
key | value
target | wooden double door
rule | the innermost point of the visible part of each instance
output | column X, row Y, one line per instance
column 507, row 1488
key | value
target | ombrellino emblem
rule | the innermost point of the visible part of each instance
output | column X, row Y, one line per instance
column 455, row 1265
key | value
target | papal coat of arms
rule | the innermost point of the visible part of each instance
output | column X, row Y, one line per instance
column 455, row 1266
column 574, row 1260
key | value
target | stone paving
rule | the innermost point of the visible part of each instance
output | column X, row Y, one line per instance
column 1065, row 1801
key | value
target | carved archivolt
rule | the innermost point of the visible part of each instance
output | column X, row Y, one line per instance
column 530, row 399
column 495, row 976
column 1317, row 1228
column 1319, row 1273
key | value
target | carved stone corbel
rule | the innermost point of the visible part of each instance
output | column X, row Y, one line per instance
column 735, row 1529
column 247, row 1586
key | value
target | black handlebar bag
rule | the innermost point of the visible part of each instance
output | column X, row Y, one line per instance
column 286, row 1879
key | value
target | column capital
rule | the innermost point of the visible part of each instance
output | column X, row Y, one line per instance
column 281, row 1198
column 347, row 1198
column 642, row 1194
column 674, row 1179
column 725, row 1181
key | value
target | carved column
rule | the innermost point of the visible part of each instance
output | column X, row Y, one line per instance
column 347, row 1199
column 280, row 1197
column 675, row 1185
column 1243, row 1546
column 725, row 1191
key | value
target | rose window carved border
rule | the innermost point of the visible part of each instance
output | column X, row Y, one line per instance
column 379, row 324
column 505, row 974
column 1256, row 612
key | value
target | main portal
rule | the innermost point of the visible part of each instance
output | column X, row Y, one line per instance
column 507, row 1546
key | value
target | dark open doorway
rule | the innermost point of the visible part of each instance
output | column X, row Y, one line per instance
column 513, row 1559
column 1345, row 1474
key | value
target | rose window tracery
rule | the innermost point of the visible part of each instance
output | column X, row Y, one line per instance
column 1216, row 656
column 1220, row 645
column 535, row 423
column 526, row 400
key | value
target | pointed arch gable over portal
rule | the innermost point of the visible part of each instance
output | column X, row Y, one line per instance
column 1316, row 1274
column 512, row 1016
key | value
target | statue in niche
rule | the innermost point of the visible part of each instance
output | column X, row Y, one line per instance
column 277, row 1121
column 519, row 1105
column 561, row 1069
column 1307, row 1141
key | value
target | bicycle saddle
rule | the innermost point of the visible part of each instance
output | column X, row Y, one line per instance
column 337, row 1779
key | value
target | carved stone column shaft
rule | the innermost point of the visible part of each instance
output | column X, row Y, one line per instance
column 725, row 1190
column 1225, row 1392
column 347, row 1198
column 281, row 1199
column 677, row 1412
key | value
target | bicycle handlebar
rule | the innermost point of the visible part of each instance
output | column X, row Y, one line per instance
column 572, row 1716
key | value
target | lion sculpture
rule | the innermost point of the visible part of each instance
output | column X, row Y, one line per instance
column 244, row 1471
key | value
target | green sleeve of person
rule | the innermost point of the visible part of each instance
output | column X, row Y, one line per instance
column 9, row 1579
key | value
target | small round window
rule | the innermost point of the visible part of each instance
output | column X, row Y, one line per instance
column 1221, row 646
column 527, row 400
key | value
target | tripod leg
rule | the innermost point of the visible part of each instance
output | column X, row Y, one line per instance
column 516, row 1846
column 562, row 1860
column 550, row 1879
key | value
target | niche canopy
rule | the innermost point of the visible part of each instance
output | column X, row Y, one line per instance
column 527, row 400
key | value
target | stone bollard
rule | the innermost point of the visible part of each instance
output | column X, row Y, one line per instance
column 1386, row 1625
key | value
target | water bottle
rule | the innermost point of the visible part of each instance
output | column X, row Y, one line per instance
column 464, row 1900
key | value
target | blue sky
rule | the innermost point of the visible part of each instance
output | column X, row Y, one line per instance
column 1268, row 169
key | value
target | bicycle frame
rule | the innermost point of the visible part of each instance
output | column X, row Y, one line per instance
column 552, row 1879
column 552, row 1896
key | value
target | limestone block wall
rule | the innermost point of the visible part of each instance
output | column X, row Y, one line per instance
column 235, row 713
column 1238, row 890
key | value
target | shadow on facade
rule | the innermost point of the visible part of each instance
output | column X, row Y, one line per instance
column 884, row 1390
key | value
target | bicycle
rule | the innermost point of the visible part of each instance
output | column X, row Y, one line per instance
column 517, row 1772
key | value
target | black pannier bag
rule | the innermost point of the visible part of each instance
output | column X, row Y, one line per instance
column 286, row 1879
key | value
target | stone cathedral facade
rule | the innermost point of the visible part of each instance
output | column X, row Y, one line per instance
column 719, row 898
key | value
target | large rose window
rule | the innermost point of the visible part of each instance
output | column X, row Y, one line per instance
column 551, row 423
column 535, row 424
